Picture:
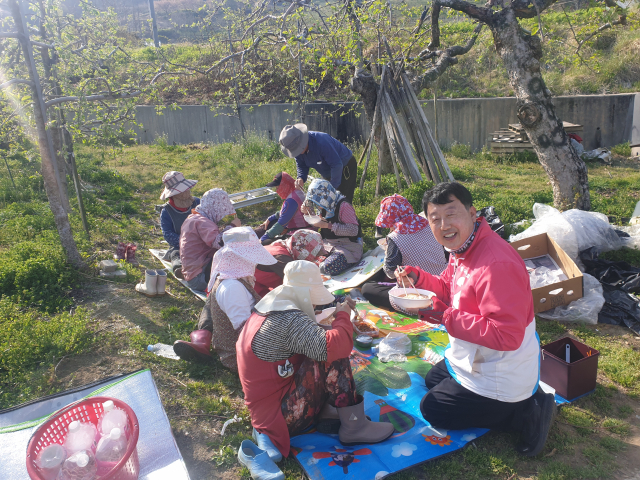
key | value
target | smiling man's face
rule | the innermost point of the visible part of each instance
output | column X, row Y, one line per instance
column 451, row 223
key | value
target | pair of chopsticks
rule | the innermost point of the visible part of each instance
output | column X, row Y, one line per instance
column 401, row 270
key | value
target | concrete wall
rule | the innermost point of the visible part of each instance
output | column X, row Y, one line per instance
column 467, row 120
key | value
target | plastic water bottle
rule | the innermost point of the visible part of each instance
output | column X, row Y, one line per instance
column 79, row 466
column 112, row 447
column 50, row 460
column 163, row 350
column 112, row 417
column 81, row 437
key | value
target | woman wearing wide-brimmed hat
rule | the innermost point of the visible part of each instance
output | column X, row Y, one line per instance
column 321, row 151
column 230, row 300
column 295, row 374
column 180, row 202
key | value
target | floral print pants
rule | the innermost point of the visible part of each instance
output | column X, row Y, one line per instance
column 335, row 264
column 315, row 384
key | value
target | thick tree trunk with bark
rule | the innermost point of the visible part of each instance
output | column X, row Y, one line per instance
column 365, row 85
column 520, row 53
column 48, row 173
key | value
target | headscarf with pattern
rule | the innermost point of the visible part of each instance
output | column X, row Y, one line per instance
column 397, row 214
column 215, row 205
column 304, row 245
column 323, row 195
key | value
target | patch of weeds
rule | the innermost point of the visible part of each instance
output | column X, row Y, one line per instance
column 612, row 445
column 624, row 411
column 449, row 468
column 30, row 342
column 597, row 456
column 629, row 255
column 617, row 426
column 583, row 422
column 561, row 471
column 226, row 448
column 549, row 330
column 461, row 150
column 622, row 149
column 35, row 273
column 168, row 313
column 600, row 399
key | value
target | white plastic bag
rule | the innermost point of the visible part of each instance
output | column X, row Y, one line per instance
column 574, row 230
column 394, row 347
column 583, row 310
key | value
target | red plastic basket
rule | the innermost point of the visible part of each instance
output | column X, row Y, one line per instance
column 55, row 430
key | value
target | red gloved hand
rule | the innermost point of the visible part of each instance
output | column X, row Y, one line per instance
column 435, row 313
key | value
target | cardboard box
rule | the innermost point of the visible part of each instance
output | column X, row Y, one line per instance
column 573, row 379
column 555, row 294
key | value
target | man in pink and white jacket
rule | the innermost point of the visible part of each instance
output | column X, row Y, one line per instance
column 489, row 377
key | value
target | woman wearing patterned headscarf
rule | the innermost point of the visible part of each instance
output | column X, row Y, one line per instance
column 201, row 236
column 289, row 217
column 302, row 245
column 339, row 226
column 410, row 242
column 230, row 300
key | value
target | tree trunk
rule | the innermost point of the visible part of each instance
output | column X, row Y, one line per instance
column 521, row 53
column 46, row 150
column 365, row 85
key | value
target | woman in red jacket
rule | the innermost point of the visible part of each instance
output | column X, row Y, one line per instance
column 294, row 373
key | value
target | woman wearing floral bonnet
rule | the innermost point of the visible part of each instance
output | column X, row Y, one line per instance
column 410, row 242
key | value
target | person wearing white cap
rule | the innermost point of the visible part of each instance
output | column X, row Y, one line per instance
column 230, row 300
column 321, row 151
column 294, row 373
column 180, row 202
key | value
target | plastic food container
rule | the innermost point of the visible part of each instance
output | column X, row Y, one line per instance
column 55, row 429
column 408, row 303
column 366, row 327
column 326, row 312
column 382, row 242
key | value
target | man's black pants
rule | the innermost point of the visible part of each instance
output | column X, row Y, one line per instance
column 349, row 179
column 448, row 405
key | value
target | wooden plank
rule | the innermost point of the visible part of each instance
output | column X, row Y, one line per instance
column 438, row 155
column 409, row 160
column 394, row 142
column 376, row 116
column 393, row 148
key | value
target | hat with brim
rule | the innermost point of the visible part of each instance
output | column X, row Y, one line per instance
column 244, row 242
column 175, row 183
column 294, row 139
column 302, row 289
column 276, row 181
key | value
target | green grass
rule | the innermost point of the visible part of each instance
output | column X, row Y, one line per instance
column 37, row 329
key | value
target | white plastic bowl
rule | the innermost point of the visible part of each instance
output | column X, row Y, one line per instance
column 410, row 303
column 383, row 242
column 312, row 219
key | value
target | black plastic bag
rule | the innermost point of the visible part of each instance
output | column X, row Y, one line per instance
column 489, row 213
column 619, row 280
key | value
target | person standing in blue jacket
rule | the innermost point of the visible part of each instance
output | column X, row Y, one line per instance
column 321, row 151
column 180, row 202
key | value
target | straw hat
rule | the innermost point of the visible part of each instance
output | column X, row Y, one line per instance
column 294, row 139
column 175, row 183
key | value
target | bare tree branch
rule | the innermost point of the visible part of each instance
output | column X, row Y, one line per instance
column 622, row 20
column 92, row 98
column 15, row 81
